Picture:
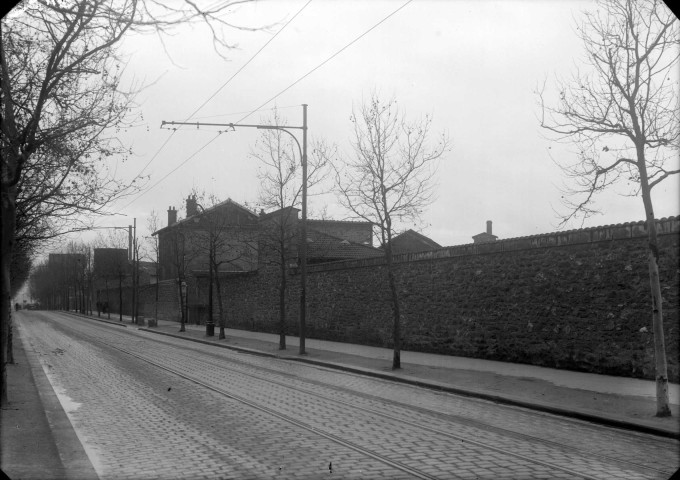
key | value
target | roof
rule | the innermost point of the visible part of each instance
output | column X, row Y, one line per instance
column 323, row 246
column 356, row 222
column 279, row 212
column 412, row 241
column 484, row 237
column 227, row 203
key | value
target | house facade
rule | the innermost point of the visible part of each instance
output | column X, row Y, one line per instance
column 226, row 231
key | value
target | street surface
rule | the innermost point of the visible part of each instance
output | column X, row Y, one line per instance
column 152, row 406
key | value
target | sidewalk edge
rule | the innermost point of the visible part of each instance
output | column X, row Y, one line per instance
column 74, row 458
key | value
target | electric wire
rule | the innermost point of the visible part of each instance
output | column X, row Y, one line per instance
column 146, row 190
column 355, row 40
column 227, row 82
column 328, row 59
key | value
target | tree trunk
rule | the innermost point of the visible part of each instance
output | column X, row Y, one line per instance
column 662, row 398
column 396, row 313
column 282, row 307
column 120, row 297
column 108, row 299
column 158, row 278
column 661, row 371
column 181, row 308
column 8, row 222
column 220, row 307
column 10, row 338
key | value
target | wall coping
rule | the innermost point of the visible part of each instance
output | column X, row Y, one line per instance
column 628, row 230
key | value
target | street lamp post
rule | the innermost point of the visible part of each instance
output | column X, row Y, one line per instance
column 303, row 228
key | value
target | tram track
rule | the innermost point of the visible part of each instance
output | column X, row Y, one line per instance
column 444, row 416
column 452, row 419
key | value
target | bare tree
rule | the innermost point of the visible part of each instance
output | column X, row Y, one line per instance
column 179, row 253
column 390, row 180
column 227, row 241
column 623, row 113
column 153, row 225
column 281, row 190
column 61, row 102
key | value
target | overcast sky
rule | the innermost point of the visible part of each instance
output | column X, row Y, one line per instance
column 472, row 64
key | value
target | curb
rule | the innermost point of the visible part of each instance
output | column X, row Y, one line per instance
column 579, row 415
column 89, row 317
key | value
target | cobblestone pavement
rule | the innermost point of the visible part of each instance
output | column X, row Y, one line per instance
column 150, row 407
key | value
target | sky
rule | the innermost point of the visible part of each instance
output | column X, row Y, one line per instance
column 473, row 65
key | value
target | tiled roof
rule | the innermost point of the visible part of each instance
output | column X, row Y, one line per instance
column 227, row 203
column 409, row 239
column 323, row 246
column 359, row 222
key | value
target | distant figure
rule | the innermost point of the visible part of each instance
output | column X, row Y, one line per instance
column 16, row 307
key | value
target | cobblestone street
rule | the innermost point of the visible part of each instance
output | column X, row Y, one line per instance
column 150, row 406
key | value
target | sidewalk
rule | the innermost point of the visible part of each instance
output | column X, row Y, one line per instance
column 615, row 401
column 37, row 440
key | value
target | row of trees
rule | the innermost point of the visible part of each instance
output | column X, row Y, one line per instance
column 61, row 96
column 62, row 103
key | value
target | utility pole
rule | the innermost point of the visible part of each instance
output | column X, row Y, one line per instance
column 133, row 244
column 303, row 228
column 303, row 240
column 210, row 325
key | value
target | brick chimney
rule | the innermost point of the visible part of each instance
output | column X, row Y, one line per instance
column 192, row 206
column 488, row 227
column 172, row 216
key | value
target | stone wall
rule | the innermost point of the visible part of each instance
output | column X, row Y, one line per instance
column 576, row 300
column 167, row 308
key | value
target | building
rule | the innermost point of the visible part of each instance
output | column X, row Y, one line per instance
column 241, row 241
column 412, row 241
column 485, row 237
column 226, row 232
column 327, row 240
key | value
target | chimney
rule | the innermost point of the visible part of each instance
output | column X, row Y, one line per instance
column 488, row 227
column 192, row 207
column 172, row 216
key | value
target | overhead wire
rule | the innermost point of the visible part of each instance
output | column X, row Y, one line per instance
column 327, row 60
column 259, row 108
column 201, row 106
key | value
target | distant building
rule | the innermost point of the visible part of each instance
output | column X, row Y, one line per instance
column 327, row 240
column 232, row 226
column 111, row 263
column 353, row 231
column 322, row 247
column 412, row 241
column 67, row 261
column 485, row 237
column 243, row 231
